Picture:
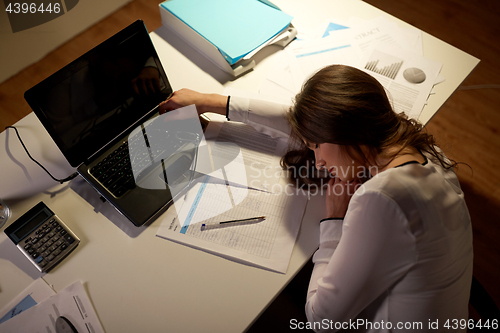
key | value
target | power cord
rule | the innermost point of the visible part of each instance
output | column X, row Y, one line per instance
column 74, row 175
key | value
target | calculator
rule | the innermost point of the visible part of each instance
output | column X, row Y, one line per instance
column 42, row 237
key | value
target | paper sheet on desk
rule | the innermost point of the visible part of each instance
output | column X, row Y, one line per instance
column 280, row 81
column 72, row 303
column 307, row 57
column 244, row 151
column 379, row 31
column 406, row 96
column 363, row 41
column 267, row 243
column 35, row 293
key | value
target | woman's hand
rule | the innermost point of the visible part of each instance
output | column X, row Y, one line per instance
column 338, row 196
column 204, row 102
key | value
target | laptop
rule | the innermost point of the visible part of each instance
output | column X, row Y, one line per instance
column 90, row 108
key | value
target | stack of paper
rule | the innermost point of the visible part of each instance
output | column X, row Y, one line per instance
column 391, row 54
column 37, row 308
column 236, row 28
column 248, row 184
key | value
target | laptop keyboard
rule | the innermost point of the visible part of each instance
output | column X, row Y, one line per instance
column 115, row 171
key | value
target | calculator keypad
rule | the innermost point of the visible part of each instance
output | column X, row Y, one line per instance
column 49, row 244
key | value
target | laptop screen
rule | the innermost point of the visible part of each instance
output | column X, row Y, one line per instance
column 102, row 94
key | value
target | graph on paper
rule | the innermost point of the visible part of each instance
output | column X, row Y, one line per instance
column 384, row 64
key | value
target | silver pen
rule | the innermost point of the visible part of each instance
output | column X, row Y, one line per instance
column 249, row 220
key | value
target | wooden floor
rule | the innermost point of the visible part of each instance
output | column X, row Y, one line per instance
column 467, row 126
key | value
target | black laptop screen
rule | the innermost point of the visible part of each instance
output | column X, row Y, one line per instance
column 102, row 94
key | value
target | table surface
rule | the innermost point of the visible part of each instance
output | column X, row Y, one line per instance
column 135, row 280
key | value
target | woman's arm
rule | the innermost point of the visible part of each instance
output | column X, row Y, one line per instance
column 204, row 102
column 264, row 116
column 356, row 265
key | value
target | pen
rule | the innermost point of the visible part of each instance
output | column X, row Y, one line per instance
column 223, row 223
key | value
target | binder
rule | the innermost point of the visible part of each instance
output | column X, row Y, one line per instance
column 231, row 44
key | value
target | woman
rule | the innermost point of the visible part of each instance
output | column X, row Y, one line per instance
column 395, row 250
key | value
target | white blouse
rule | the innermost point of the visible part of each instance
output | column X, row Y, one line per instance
column 400, row 260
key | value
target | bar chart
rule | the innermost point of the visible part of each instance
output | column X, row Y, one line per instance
column 384, row 64
column 389, row 71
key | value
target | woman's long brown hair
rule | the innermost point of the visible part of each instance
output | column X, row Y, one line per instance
column 346, row 106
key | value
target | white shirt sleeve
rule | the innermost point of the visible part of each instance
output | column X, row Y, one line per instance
column 330, row 233
column 266, row 117
column 356, row 265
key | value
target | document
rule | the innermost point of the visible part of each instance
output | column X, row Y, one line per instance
column 72, row 303
column 372, row 33
column 391, row 54
column 307, row 57
column 408, row 77
column 224, row 195
column 266, row 243
column 249, row 157
column 280, row 81
column 35, row 293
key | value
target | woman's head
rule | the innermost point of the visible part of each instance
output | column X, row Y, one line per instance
column 345, row 106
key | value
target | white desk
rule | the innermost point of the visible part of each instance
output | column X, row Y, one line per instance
column 136, row 281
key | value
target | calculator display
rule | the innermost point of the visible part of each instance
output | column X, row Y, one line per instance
column 32, row 224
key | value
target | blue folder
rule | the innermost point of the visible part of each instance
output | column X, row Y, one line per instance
column 234, row 27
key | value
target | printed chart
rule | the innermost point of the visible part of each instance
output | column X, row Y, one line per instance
column 384, row 64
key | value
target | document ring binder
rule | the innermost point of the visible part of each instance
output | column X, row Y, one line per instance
column 209, row 50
